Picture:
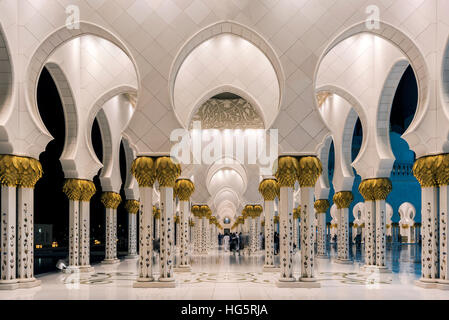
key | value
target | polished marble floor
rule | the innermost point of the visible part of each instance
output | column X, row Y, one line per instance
column 226, row 276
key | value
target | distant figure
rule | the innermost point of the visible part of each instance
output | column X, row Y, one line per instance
column 276, row 243
column 241, row 245
column 226, row 242
column 234, row 243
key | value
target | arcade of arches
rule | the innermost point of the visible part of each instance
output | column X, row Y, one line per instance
column 223, row 150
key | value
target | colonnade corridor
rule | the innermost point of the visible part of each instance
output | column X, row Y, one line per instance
column 224, row 275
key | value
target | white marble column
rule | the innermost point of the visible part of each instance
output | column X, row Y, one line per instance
column 143, row 170
column 167, row 233
column 184, row 189
column 381, row 237
column 375, row 192
column 307, row 213
column 321, row 207
column 197, row 228
column 204, row 228
column 18, row 177
column 25, row 272
column 287, row 176
column 74, row 207
column 253, row 234
column 132, row 207
column 444, row 238
column 85, row 237
column 111, row 201
column 269, row 189
column 167, row 172
column 429, row 213
column 269, row 235
column 370, row 233
column 145, row 268
column 343, row 200
column 8, row 279
column 87, row 191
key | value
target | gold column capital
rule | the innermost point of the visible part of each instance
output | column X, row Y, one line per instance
column 276, row 219
column 343, row 199
column 15, row 171
column 269, row 189
column 205, row 211
column 321, row 206
column 195, row 210
column 257, row 210
column 30, row 171
column 310, row 169
column 248, row 211
column 375, row 189
column 425, row 171
column 88, row 190
column 177, row 220
column 144, row 170
column 287, row 171
column 184, row 188
column 442, row 169
column 167, row 171
column 132, row 206
column 111, row 200
column 79, row 190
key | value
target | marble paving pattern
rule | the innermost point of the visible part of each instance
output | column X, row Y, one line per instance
column 224, row 276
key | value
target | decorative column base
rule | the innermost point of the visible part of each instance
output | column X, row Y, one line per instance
column 322, row 257
column 154, row 284
column 143, row 282
column 382, row 274
column 271, row 269
column 86, row 269
column 13, row 285
column 29, row 283
column 427, row 283
column 443, row 284
column 343, row 261
column 183, row 269
column 132, row 257
column 298, row 284
column 71, row 269
column 110, row 261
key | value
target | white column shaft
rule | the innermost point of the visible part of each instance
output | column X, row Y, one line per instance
column 145, row 235
column 321, row 236
column 8, row 240
column 444, row 238
column 25, row 234
column 370, row 243
column 381, row 239
column 167, row 233
column 74, row 233
column 307, row 226
column 429, row 254
column 84, row 233
column 269, row 234
column 132, row 234
column 184, row 224
column 286, row 234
